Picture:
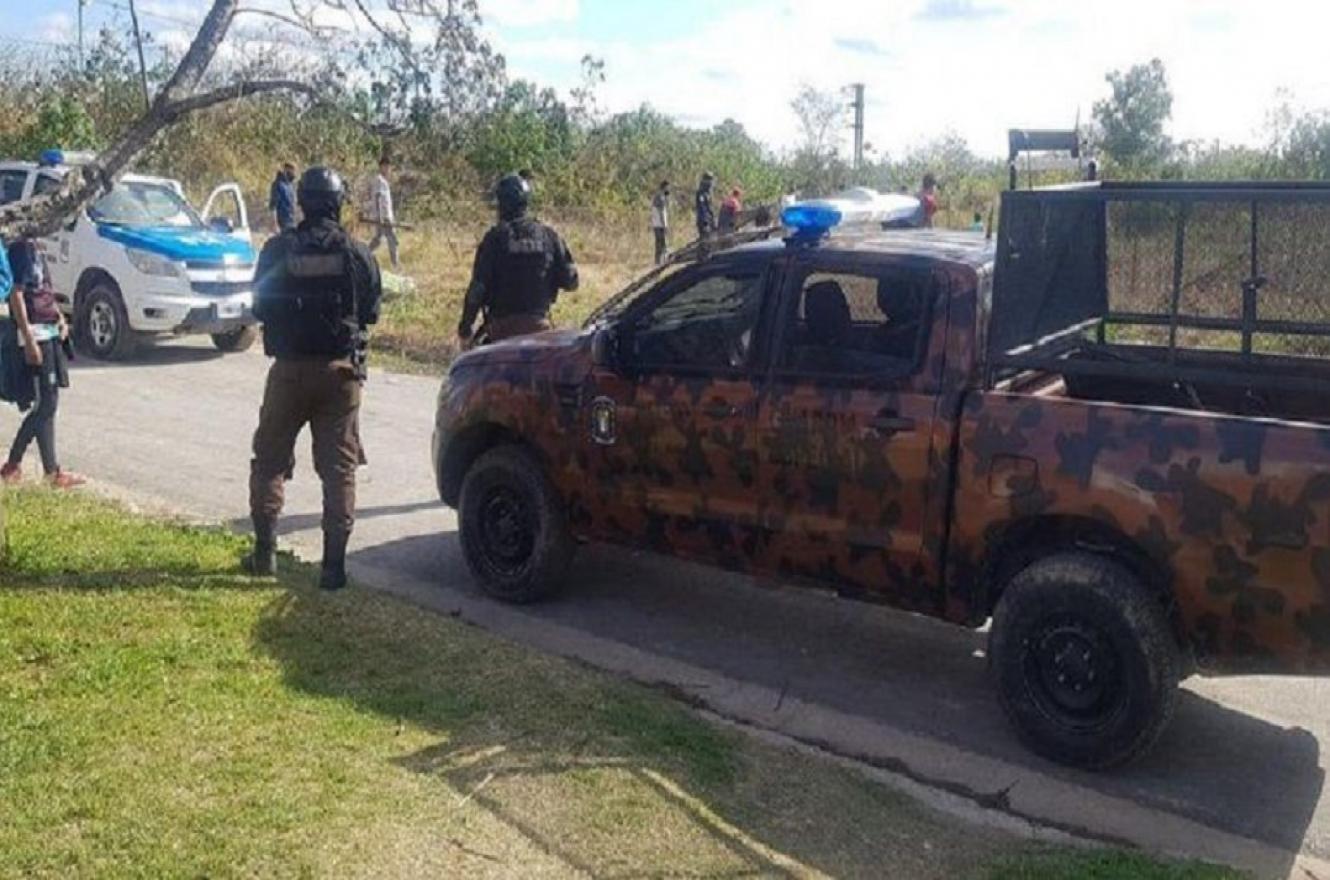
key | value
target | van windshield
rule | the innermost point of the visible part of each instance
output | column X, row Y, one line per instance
column 144, row 204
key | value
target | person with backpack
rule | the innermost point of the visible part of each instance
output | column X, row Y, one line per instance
column 316, row 291
column 38, row 361
column 521, row 265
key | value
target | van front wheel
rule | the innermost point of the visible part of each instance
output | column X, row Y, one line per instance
column 101, row 324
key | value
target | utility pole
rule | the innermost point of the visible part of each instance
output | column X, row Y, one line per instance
column 858, row 105
column 82, row 63
column 138, row 43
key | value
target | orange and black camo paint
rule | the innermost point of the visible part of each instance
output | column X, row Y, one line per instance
column 1227, row 516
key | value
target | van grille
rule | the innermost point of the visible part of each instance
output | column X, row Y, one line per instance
column 220, row 288
column 215, row 265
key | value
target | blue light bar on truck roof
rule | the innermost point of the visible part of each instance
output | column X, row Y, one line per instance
column 810, row 220
column 51, row 158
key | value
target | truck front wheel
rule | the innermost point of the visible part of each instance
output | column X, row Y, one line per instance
column 513, row 528
column 1086, row 665
column 101, row 324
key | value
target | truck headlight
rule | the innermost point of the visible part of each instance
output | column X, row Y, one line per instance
column 151, row 264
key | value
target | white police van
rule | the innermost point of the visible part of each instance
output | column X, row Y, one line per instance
column 142, row 262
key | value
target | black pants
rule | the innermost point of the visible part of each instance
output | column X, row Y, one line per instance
column 39, row 424
column 661, row 244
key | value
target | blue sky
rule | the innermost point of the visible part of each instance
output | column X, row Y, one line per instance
column 974, row 67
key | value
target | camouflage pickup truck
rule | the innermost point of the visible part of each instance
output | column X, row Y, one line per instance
column 1104, row 432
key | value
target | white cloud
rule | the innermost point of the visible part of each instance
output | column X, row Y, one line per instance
column 979, row 69
column 56, row 27
column 529, row 13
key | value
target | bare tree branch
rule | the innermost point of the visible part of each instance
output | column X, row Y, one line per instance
column 44, row 215
column 400, row 43
column 304, row 23
column 204, row 100
column 194, row 65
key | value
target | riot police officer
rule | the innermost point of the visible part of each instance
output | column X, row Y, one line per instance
column 316, row 291
column 706, row 215
column 521, row 265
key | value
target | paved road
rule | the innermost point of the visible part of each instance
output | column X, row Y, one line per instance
column 1244, row 756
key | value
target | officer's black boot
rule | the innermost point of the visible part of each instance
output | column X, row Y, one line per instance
column 262, row 560
column 333, row 574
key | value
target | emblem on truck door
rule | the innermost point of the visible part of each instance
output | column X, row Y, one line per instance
column 602, row 420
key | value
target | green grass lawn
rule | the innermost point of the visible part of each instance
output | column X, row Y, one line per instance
column 163, row 715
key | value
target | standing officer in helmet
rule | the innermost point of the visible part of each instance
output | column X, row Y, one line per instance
column 316, row 292
column 521, row 265
column 706, row 215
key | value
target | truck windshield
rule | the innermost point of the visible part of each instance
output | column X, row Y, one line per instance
column 144, row 204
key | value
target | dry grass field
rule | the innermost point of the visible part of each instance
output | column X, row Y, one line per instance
column 418, row 329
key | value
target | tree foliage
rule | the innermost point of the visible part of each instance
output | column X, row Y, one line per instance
column 1131, row 120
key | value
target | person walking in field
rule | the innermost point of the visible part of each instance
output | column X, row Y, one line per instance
column 381, row 211
column 282, row 198
column 660, row 220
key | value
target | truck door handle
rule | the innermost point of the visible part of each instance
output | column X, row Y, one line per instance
column 888, row 423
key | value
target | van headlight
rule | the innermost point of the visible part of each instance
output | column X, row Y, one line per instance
column 151, row 264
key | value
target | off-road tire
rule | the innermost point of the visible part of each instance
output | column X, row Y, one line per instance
column 513, row 527
column 101, row 324
column 1076, row 628
column 239, row 339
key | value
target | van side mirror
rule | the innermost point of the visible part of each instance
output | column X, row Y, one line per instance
column 222, row 225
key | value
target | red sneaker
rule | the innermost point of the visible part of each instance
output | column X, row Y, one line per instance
column 65, row 480
column 11, row 473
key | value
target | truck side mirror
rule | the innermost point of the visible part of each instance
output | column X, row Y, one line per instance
column 605, row 347
column 222, row 225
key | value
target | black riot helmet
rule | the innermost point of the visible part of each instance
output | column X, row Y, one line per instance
column 513, row 193
column 321, row 192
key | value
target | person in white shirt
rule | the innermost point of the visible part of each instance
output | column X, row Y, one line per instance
column 381, row 211
column 660, row 219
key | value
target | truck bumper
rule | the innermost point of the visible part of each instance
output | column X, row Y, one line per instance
column 181, row 312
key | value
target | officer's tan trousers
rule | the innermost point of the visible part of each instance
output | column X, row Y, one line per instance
column 326, row 396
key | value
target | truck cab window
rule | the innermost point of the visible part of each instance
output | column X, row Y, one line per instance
column 852, row 324
column 46, row 184
column 709, row 322
column 11, row 186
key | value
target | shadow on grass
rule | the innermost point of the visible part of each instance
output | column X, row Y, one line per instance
column 601, row 775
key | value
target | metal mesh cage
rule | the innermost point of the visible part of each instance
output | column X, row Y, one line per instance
column 1100, row 273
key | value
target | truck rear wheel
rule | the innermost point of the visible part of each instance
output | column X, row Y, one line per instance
column 513, row 527
column 101, row 324
column 239, row 339
column 1086, row 665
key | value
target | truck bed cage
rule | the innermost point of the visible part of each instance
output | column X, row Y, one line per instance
column 1181, row 284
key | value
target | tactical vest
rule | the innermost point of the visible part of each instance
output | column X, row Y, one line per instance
column 310, row 310
column 522, row 284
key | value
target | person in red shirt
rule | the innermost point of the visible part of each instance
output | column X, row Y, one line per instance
column 928, row 200
column 728, row 220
